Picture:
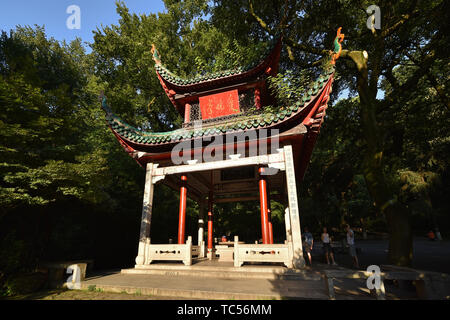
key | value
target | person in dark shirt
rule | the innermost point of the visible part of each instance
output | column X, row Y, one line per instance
column 326, row 240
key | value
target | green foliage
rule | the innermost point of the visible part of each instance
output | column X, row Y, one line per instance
column 56, row 154
column 24, row 284
column 40, row 90
column 231, row 55
column 14, row 253
column 290, row 86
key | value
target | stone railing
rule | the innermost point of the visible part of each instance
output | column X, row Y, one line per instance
column 262, row 253
column 171, row 252
column 195, row 251
column 225, row 253
column 199, row 251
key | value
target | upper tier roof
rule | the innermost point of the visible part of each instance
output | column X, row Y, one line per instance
column 243, row 121
column 268, row 63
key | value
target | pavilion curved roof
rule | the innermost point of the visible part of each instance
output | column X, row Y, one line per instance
column 268, row 59
column 299, row 122
column 141, row 140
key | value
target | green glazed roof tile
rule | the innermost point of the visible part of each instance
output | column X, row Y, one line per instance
column 166, row 74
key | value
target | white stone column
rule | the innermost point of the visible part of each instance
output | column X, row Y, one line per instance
column 201, row 221
column 147, row 208
column 287, row 223
column 201, row 228
column 298, row 260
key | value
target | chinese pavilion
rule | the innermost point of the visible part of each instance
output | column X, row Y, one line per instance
column 229, row 149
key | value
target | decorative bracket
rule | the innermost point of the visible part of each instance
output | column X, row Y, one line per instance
column 156, row 179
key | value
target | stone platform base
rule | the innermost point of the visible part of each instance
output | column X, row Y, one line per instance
column 208, row 288
column 224, row 270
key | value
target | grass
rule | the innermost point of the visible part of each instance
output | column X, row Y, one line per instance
column 92, row 293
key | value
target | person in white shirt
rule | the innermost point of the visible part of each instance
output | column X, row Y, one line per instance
column 326, row 240
column 351, row 245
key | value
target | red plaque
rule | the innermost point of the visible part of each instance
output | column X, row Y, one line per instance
column 220, row 104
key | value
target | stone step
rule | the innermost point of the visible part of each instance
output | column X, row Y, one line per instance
column 190, row 287
column 248, row 272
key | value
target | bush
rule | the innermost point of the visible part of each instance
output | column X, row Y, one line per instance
column 24, row 283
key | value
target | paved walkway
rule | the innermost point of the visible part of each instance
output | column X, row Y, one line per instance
column 208, row 288
column 220, row 280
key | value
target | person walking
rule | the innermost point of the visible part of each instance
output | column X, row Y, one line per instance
column 326, row 240
column 308, row 244
column 351, row 246
column 431, row 236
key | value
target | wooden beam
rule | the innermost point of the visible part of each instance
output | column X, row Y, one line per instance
column 192, row 193
column 245, row 85
column 236, row 199
column 232, row 163
column 201, row 181
column 246, row 191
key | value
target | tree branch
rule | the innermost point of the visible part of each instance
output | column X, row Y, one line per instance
column 440, row 91
column 289, row 41
column 260, row 21
column 358, row 57
column 404, row 18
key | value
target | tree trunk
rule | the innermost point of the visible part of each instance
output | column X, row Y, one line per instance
column 400, row 240
column 382, row 193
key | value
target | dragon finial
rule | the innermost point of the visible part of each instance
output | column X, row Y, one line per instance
column 104, row 104
column 155, row 55
column 337, row 46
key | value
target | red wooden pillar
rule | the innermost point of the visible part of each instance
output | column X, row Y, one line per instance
column 187, row 113
column 269, row 209
column 264, row 207
column 182, row 212
column 258, row 98
column 210, row 222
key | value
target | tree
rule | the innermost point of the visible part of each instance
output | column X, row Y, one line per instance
column 409, row 30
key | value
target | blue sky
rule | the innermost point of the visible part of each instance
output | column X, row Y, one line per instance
column 52, row 14
column 94, row 13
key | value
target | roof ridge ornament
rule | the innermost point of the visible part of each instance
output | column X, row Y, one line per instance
column 104, row 104
column 155, row 54
column 337, row 46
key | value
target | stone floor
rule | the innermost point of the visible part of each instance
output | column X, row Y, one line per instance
column 220, row 280
column 207, row 279
column 208, row 288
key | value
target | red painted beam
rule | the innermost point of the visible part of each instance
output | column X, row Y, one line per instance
column 182, row 212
